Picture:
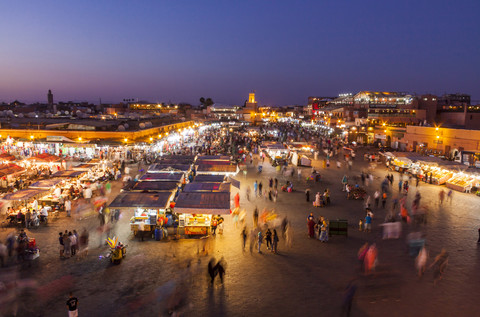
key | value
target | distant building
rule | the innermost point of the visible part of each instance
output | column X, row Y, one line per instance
column 223, row 112
column 251, row 104
column 429, row 103
column 251, row 108
column 454, row 99
column 315, row 104
column 50, row 98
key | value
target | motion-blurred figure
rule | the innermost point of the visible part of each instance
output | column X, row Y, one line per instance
column 211, row 270
column 421, row 261
column 220, row 268
column 370, row 261
column 348, row 296
column 440, row 263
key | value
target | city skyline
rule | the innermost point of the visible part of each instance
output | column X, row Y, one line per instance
column 180, row 52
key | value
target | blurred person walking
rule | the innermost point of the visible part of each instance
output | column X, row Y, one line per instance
column 212, row 272
column 376, row 196
column 259, row 241
column 421, row 261
column 220, row 269
column 348, row 296
column 450, row 196
column 275, row 241
column 288, row 236
column 441, row 196
column 244, row 238
column 371, row 259
column 440, row 263
column 255, row 217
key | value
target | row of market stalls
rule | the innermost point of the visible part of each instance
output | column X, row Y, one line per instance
column 182, row 191
column 434, row 170
column 15, row 170
column 47, row 191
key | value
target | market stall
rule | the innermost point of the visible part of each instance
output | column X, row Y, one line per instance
column 401, row 164
column 213, row 157
column 300, row 160
column 276, row 150
column 68, row 173
column 156, row 186
column 207, row 187
column 9, row 173
column 161, row 168
column 175, row 159
column 25, row 194
column 47, row 183
column 5, row 157
column 22, row 200
column 146, row 209
column 462, row 182
column 45, row 158
column 226, row 170
column 163, row 177
column 195, row 210
column 209, row 178
column 83, row 167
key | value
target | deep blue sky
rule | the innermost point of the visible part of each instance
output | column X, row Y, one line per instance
column 285, row 50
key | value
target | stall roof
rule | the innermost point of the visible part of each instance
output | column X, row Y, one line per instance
column 207, row 187
column 83, row 167
column 217, row 169
column 160, row 167
column 45, row 157
column 209, row 179
column 176, row 159
column 162, row 177
column 7, row 157
column 25, row 194
column 213, row 157
column 93, row 161
column 159, row 200
column 203, row 203
column 46, row 183
column 212, row 162
column 274, row 146
column 10, row 168
column 155, row 186
column 68, row 173
column 416, row 157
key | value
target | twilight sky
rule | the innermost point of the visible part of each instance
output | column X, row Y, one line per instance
column 179, row 51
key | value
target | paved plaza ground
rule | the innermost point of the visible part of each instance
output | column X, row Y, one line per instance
column 305, row 280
